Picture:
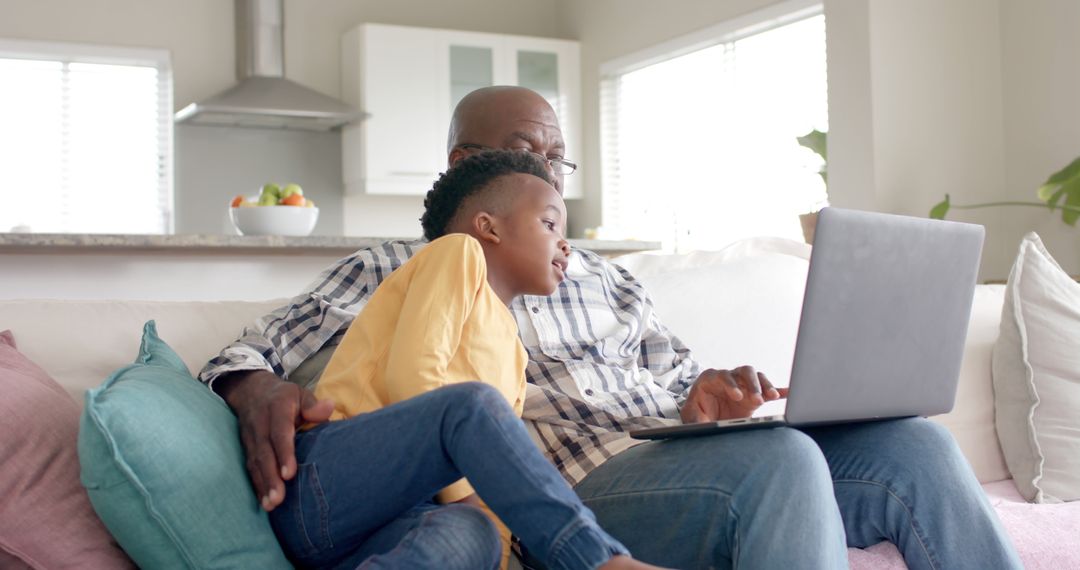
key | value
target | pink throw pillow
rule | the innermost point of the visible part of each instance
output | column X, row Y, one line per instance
column 46, row 520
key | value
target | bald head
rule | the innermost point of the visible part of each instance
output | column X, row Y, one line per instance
column 505, row 117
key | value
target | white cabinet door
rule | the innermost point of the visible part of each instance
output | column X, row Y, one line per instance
column 410, row 79
column 475, row 60
column 396, row 77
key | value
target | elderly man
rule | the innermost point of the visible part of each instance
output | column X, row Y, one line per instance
column 600, row 364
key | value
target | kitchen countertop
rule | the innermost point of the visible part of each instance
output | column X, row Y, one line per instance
column 227, row 244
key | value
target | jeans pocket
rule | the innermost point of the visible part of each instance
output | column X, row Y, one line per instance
column 313, row 512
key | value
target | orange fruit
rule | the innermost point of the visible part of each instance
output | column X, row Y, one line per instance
column 293, row 200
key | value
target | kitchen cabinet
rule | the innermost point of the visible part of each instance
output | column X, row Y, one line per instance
column 409, row 80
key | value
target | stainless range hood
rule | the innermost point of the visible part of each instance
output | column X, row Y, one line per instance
column 264, row 98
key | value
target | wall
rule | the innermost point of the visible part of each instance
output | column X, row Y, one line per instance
column 213, row 164
column 966, row 97
column 937, row 112
column 1042, row 119
column 969, row 97
column 199, row 34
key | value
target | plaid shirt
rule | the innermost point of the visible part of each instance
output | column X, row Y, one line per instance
column 600, row 361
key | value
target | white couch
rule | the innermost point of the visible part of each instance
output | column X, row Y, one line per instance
column 737, row 306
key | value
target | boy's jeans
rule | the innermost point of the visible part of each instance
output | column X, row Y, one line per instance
column 362, row 494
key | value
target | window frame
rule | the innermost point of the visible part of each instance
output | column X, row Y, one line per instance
column 729, row 31
column 79, row 53
column 774, row 16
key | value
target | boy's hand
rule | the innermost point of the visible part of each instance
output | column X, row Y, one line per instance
column 268, row 411
column 728, row 394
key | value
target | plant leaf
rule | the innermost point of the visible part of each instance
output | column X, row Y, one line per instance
column 1072, row 198
column 938, row 212
column 1046, row 192
column 1070, row 172
column 817, row 141
column 1053, row 200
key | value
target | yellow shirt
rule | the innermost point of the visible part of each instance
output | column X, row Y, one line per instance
column 434, row 321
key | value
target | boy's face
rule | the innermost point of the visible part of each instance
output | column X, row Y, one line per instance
column 532, row 253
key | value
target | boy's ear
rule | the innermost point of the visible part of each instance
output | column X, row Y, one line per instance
column 486, row 228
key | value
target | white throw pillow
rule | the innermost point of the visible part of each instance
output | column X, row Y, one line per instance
column 1037, row 377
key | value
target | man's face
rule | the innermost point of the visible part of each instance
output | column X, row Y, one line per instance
column 517, row 121
column 533, row 250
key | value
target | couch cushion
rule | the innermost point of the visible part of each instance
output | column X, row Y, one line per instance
column 1037, row 376
column 737, row 306
column 1044, row 535
column 46, row 520
column 81, row 342
column 162, row 463
column 971, row 421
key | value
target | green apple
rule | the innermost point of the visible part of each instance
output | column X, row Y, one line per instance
column 270, row 194
column 291, row 189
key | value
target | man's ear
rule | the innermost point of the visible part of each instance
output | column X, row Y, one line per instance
column 455, row 155
column 486, row 228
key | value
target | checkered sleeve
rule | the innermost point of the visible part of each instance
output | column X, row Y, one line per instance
column 280, row 341
column 661, row 353
column 667, row 358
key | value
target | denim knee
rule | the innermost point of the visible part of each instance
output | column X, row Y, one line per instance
column 470, row 539
column 921, row 448
column 797, row 461
column 476, row 396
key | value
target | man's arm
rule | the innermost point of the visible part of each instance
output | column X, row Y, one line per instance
column 248, row 373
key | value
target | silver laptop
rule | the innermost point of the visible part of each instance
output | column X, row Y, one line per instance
column 884, row 320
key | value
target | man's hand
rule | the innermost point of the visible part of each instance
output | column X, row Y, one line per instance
column 728, row 394
column 268, row 411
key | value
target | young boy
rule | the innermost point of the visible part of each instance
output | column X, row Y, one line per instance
column 411, row 419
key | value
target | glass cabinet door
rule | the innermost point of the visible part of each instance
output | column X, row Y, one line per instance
column 471, row 67
column 539, row 71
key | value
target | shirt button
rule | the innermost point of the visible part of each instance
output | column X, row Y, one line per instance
column 588, row 392
column 535, row 310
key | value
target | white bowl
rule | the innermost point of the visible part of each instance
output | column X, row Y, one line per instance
column 274, row 220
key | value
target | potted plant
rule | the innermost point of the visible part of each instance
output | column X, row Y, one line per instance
column 1061, row 191
column 816, row 141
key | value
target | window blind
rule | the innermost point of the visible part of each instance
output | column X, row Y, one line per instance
column 699, row 148
column 85, row 139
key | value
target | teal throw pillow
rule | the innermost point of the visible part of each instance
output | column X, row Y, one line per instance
column 160, row 457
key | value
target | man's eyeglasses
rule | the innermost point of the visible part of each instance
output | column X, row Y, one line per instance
column 558, row 165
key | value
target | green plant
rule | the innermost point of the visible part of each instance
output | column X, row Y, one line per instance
column 817, row 141
column 1062, row 185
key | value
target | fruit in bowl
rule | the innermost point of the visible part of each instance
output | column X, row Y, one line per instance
column 277, row 210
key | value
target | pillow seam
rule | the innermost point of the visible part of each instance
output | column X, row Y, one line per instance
column 1029, row 372
column 125, row 468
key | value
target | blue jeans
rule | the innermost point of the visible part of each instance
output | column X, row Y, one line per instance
column 784, row 498
column 363, row 492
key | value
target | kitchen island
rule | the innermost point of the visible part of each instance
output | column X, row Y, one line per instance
column 186, row 267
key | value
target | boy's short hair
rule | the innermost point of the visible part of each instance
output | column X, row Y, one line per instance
column 473, row 176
